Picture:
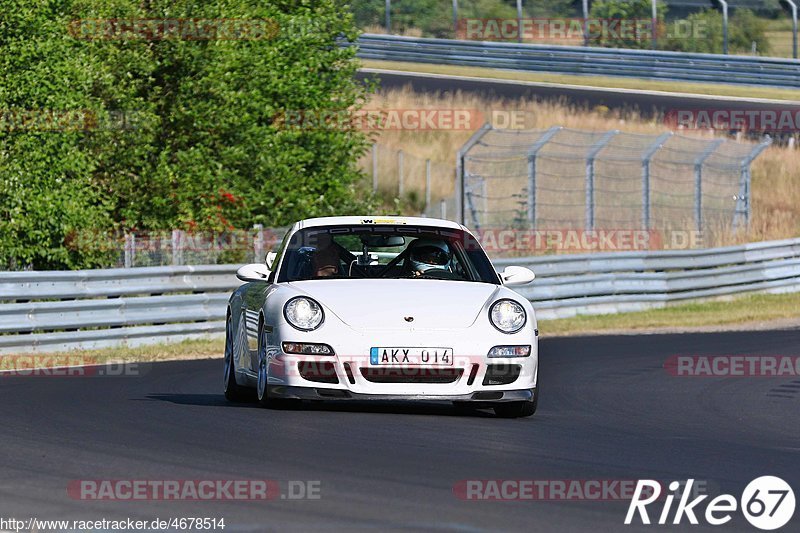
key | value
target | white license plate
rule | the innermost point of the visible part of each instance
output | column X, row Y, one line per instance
column 390, row 356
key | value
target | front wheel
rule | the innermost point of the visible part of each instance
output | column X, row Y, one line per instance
column 233, row 391
column 518, row 409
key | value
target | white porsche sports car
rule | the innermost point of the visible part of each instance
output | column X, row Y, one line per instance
column 393, row 308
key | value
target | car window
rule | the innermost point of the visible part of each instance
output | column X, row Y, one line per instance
column 385, row 251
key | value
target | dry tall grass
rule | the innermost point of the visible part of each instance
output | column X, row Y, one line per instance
column 775, row 173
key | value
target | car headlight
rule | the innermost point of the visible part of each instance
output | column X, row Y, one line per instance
column 303, row 313
column 507, row 315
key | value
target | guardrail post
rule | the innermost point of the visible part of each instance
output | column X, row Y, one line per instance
column 388, row 16
column 743, row 208
column 519, row 21
column 400, row 185
column 646, row 157
column 177, row 247
column 590, row 157
column 455, row 18
column 533, row 152
column 375, row 167
column 427, row 184
column 461, row 171
column 130, row 250
column 698, row 183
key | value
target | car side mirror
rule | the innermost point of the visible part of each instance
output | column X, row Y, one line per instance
column 516, row 275
column 254, row 272
column 270, row 259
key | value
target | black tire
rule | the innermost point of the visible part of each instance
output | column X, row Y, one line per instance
column 518, row 409
column 262, row 391
column 233, row 391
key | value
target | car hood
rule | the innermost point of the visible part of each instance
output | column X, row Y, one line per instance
column 386, row 303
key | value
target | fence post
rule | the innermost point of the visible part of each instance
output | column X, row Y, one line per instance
column 698, row 183
column 177, row 247
column 724, row 26
column 793, row 7
column 258, row 243
column 471, row 205
column 388, row 16
column 519, row 21
column 455, row 18
column 461, row 171
column 585, row 22
column 743, row 207
column 654, row 24
column 427, row 184
column 646, row 157
column 400, row 187
column 590, row 157
column 130, row 250
column 533, row 152
column 375, row 167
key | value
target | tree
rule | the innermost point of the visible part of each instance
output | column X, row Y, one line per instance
column 198, row 145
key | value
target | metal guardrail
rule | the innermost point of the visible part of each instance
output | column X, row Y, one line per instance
column 568, row 285
column 648, row 64
column 57, row 311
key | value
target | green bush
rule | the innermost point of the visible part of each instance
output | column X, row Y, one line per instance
column 744, row 28
column 202, row 149
column 634, row 10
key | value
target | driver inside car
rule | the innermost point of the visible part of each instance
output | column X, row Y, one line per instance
column 429, row 255
column 326, row 257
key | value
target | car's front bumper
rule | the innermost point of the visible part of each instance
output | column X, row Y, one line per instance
column 352, row 371
column 323, row 393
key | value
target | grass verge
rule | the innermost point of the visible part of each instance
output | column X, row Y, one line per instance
column 185, row 350
column 712, row 89
column 755, row 311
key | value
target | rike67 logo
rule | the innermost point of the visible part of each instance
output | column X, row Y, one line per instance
column 767, row 503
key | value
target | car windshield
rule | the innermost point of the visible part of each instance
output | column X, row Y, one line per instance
column 385, row 252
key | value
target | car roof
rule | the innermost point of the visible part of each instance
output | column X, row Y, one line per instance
column 378, row 219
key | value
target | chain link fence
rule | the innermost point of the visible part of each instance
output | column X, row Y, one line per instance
column 426, row 186
column 179, row 247
column 572, row 179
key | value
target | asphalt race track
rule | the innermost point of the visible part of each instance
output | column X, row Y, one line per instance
column 608, row 410
column 648, row 103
